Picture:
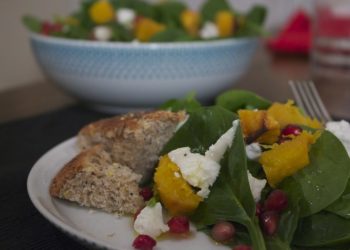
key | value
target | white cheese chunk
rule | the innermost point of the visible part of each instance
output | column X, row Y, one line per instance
column 150, row 221
column 253, row 151
column 208, row 31
column 102, row 33
column 196, row 169
column 217, row 150
column 341, row 130
column 126, row 17
column 199, row 170
column 256, row 186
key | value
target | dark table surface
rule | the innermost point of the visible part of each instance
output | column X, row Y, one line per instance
column 37, row 117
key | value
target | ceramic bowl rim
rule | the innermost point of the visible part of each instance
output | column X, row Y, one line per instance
column 129, row 45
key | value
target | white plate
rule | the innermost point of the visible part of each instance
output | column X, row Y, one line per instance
column 93, row 227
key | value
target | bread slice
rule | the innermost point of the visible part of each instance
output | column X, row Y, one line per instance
column 134, row 139
column 91, row 179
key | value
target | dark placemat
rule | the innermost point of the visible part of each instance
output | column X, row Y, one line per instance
column 21, row 144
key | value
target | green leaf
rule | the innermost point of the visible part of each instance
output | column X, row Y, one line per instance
column 120, row 33
column 324, row 180
column 169, row 12
column 141, row 8
column 257, row 15
column 341, row 206
column 32, row 23
column 230, row 198
column 289, row 222
column 252, row 23
column 275, row 243
column 76, row 32
column 202, row 129
column 171, row 34
column 188, row 103
column 323, row 230
column 234, row 100
column 212, row 7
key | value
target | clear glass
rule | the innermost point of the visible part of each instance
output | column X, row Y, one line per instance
column 331, row 38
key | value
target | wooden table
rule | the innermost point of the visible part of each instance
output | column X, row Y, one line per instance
column 267, row 76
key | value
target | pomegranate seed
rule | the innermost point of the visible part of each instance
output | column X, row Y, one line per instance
column 276, row 201
column 269, row 222
column 259, row 209
column 146, row 193
column 223, row 231
column 242, row 247
column 144, row 242
column 48, row 28
column 291, row 130
column 179, row 225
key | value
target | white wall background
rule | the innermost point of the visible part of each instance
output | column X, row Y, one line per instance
column 17, row 65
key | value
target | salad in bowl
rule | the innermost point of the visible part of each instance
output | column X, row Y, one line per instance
column 250, row 173
column 141, row 21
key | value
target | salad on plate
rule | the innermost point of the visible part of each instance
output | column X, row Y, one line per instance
column 141, row 21
column 251, row 174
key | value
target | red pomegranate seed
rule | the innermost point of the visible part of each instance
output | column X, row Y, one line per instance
column 144, row 242
column 242, row 247
column 259, row 209
column 223, row 231
column 269, row 222
column 146, row 193
column 276, row 201
column 48, row 28
column 179, row 225
column 291, row 130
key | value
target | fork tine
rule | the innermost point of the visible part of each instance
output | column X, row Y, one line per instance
column 316, row 111
column 296, row 95
column 307, row 98
column 324, row 113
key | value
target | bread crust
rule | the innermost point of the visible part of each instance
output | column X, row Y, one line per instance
column 71, row 168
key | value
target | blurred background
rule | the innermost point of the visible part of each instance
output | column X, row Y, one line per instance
column 17, row 65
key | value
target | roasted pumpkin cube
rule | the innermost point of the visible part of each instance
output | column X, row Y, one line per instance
column 258, row 124
column 225, row 21
column 146, row 28
column 190, row 20
column 285, row 159
column 286, row 114
column 102, row 12
column 174, row 192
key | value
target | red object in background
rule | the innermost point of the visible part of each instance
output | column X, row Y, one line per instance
column 331, row 24
column 295, row 37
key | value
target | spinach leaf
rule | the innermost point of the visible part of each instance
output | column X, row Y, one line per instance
column 323, row 229
column 171, row 34
column 202, row 129
column 142, row 8
column 234, row 100
column 275, row 243
column 288, row 222
column 211, row 7
column 324, row 180
column 230, row 198
column 32, row 23
column 188, row 103
column 168, row 12
column 341, row 206
column 252, row 23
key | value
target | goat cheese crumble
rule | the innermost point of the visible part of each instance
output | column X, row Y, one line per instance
column 150, row 221
column 199, row 170
column 341, row 129
column 253, row 151
column 102, row 33
column 126, row 17
column 209, row 31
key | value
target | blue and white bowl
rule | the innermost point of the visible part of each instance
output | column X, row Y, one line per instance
column 112, row 76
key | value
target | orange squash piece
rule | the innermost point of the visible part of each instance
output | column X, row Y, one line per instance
column 102, row 12
column 190, row 20
column 285, row 159
column 174, row 192
column 146, row 28
column 225, row 21
column 286, row 114
column 258, row 125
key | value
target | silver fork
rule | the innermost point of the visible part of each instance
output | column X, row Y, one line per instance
column 307, row 98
